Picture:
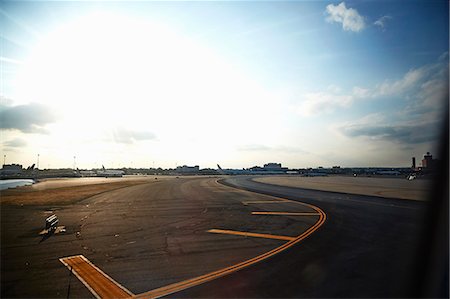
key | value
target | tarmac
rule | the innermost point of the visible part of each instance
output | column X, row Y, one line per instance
column 144, row 237
column 197, row 237
column 417, row 189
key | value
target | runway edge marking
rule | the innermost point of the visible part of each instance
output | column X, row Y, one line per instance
column 182, row 285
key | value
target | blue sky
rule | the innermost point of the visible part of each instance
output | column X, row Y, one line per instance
column 304, row 83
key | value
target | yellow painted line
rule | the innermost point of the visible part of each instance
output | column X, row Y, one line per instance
column 103, row 286
column 247, row 234
column 182, row 285
column 97, row 282
column 263, row 201
column 286, row 213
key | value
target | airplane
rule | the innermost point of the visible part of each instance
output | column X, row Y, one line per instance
column 109, row 172
column 86, row 173
column 232, row 171
column 260, row 171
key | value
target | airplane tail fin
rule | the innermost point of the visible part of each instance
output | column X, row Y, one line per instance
column 218, row 166
column 103, row 167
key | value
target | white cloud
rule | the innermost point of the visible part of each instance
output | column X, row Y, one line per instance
column 333, row 98
column 381, row 22
column 30, row 118
column 360, row 92
column 128, row 136
column 444, row 56
column 432, row 91
column 16, row 142
column 424, row 82
column 334, row 88
column 409, row 80
column 350, row 19
column 408, row 132
column 253, row 147
column 422, row 91
column 316, row 103
column 421, row 97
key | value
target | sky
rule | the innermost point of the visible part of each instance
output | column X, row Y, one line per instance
column 164, row 84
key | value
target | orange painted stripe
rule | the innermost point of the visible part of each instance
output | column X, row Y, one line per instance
column 286, row 213
column 263, row 201
column 182, row 285
column 85, row 277
column 97, row 282
column 247, row 234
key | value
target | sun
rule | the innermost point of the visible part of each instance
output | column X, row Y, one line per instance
column 104, row 71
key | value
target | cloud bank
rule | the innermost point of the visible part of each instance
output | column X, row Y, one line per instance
column 15, row 143
column 423, row 95
column 323, row 102
column 411, row 107
column 403, row 132
column 128, row 136
column 422, row 89
column 30, row 118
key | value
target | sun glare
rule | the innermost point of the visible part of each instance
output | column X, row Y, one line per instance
column 118, row 71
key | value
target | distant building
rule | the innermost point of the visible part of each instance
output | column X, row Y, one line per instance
column 427, row 160
column 188, row 169
column 256, row 169
column 11, row 169
column 337, row 170
column 429, row 164
column 413, row 163
column 274, row 167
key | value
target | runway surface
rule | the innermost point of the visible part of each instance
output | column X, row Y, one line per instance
column 173, row 232
column 367, row 248
column 147, row 237
column 397, row 187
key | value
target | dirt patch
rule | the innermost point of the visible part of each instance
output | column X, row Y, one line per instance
column 61, row 195
column 53, row 183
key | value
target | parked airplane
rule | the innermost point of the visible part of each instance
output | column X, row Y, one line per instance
column 232, row 171
column 86, row 173
column 248, row 171
column 109, row 172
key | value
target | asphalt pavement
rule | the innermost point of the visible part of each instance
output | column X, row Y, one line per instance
column 155, row 234
column 144, row 237
column 368, row 247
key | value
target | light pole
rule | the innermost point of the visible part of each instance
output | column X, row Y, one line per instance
column 37, row 162
column 74, row 163
column 4, row 160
